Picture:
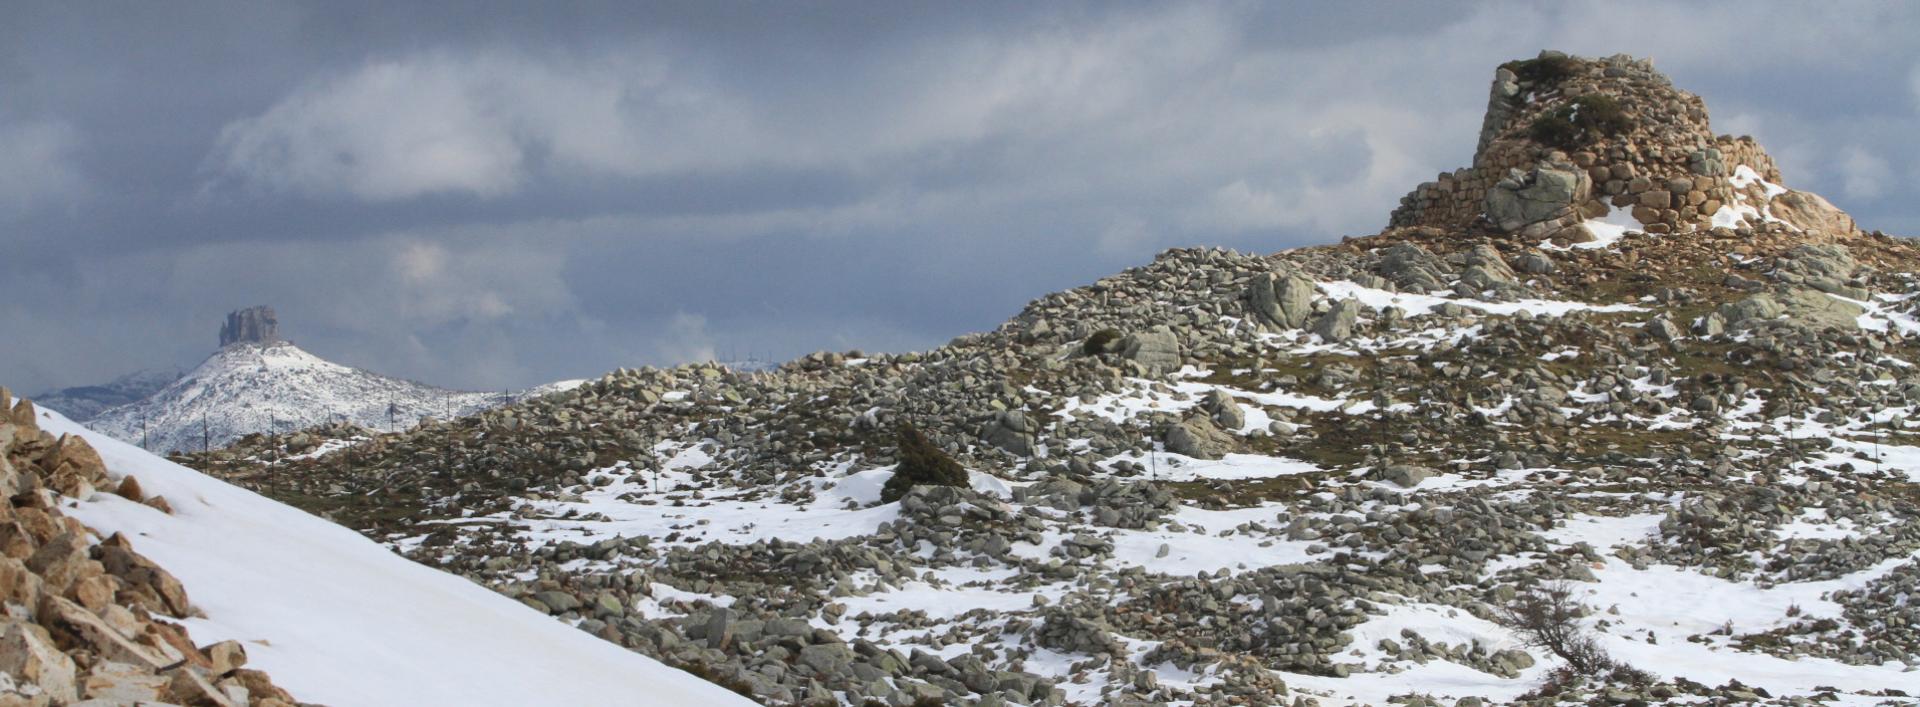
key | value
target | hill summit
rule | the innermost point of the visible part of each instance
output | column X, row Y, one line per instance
column 1610, row 416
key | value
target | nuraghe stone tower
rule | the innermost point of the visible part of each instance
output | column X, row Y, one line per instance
column 1567, row 138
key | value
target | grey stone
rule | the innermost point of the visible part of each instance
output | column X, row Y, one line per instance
column 1283, row 300
column 1546, row 192
column 1197, row 437
column 827, row 658
column 1798, row 306
column 1157, row 350
column 1337, row 324
column 1412, row 268
column 1405, row 475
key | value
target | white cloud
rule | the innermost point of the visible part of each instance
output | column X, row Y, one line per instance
column 1866, row 175
column 475, row 123
column 1130, row 104
column 40, row 166
column 686, row 339
column 389, row 130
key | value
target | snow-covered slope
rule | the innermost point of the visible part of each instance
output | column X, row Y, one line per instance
column 277, row 387
column 338, row 620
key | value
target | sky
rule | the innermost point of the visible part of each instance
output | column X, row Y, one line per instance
column 491, row 195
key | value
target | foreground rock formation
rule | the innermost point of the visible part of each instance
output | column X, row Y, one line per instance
column 89, row 620
column 1614, row 355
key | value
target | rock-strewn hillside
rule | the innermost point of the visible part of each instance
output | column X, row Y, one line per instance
column 1614, row 357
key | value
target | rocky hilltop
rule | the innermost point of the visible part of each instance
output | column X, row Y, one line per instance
column 259, row 383
column 1613, row 377
column 253, row 325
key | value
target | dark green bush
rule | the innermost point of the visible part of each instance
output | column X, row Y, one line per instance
column 1098, row 343
column 922, row 463
column 1581, row 121
column 1555, row 129
column 1543, row 71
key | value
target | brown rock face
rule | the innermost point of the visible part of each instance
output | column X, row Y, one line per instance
column 253, row 325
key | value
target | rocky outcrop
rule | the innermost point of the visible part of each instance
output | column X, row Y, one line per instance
column 1790, row 306
column 80, row 621
column 1810, row 212
column 253, row 325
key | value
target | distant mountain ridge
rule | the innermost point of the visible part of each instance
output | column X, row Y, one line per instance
column 261, row 383
column 83, row 402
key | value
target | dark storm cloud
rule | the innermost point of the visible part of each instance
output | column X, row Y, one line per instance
column 498, row 194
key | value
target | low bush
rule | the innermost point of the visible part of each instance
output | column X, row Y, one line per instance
column 1548, row 617
column 922, row 463
column 1100, row 341
column 1582, row 121
column 1543, row 71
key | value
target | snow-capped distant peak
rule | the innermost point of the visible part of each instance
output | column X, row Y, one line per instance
column 276, row 386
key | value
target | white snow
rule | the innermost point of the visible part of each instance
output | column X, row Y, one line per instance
column 1607, row 230
column 1732, row 215
column 337, row 619
column 1418, row 304
column 1744, row 176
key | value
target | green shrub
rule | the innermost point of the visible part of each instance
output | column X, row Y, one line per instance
column 1555, row 129
column 1581, row 121
column 1543, row 71
column 1098, row 343
column 922, row 463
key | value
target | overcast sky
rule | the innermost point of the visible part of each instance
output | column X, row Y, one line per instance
column 487, row 196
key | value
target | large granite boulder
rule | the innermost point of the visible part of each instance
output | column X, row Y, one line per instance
column 1337, row 324
column 1795, row 307
column 1199, row 438
column 1156, row 350
column 1284, row 300
column 1548, row 191
column 1812, row 213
